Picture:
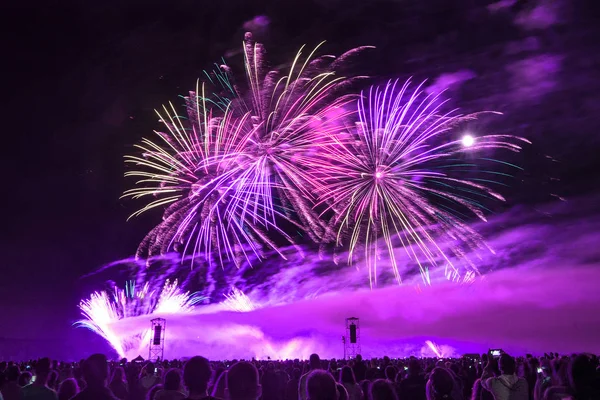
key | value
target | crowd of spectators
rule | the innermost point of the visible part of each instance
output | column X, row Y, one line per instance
column 551, row 377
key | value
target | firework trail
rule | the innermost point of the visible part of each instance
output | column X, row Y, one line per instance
column 237, row 163
column 434, row 348
column 439, row 351
column 102, row 309
column 401, row 175
column 236, row 300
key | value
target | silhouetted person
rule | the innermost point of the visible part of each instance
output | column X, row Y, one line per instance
column 148, row 377
column 11, row 389
column 582, row 381
column 348, row 380
column 477, row 390
column 271, row 385
column 508, row 386
column 440, row 385
column 365, row 386
column 53, row 380
column 95, row 375
column 24, row 379
column 390, row 373
column 171, row 388
column 153, row 390
column 342, row 392
column 314, row 364
column 360, row 369
column 291, row 387
column 118, row 384
column 382, row 389
column 242, row 382
column 218, row 389
column 3, row 366
column 196, row 374
column 320, row 385
column 67, row 389
column 413, row 386
column 39, row 389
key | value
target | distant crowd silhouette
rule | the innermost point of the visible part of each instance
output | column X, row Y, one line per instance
column 551, row 377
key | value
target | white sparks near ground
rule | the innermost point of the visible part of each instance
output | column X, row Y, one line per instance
column 236, row 300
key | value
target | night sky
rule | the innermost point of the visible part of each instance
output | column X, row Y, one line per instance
column 82, row 79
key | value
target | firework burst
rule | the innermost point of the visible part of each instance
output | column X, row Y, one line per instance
column 237, row 164
column 400, row 174
column 289, row 117
column 103, row 309
column 174, row 173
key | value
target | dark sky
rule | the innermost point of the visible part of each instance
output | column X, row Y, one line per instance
column 82, row 79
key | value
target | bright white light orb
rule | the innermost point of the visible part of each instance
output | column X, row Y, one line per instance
column 468, row 141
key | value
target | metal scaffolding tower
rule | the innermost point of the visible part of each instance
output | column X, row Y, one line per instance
column 157, row 341
column 352, row 338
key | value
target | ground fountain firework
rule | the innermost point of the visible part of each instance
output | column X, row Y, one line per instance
column 103, row 309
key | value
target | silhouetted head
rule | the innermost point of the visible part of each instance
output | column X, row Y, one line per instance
column 347, row 375
column 153, row 390
column 390, row 373
column 53, row 379
column 95, row 370
column 12, row 373
column 24, row 379
column 196, row 374
column 270, row 385
column 507, row 365
column 358, row 358
column 315, row 361
column 296, row 373
column 342, row 392
column 67, row 389
column 172, row 380
column 149, row 368
column 414, row 367
column 320, row 385
column 242, row 382
column 477, row 389
column 582, row 373
column 42, row 370
column 118, row 375
column 382, row 389
column 440, row 385
column 365, row 385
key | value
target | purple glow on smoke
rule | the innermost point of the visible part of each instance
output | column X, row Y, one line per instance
column 544, row 295
column 505, row 311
